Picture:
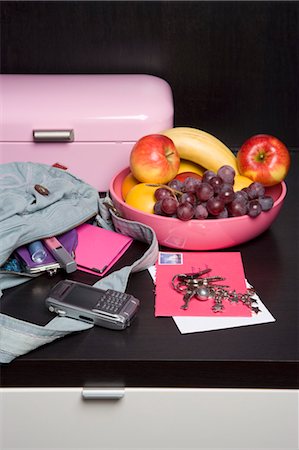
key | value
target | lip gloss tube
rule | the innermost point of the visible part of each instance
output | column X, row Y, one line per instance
column 37, row 252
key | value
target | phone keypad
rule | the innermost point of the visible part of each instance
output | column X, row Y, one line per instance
column 111, row 301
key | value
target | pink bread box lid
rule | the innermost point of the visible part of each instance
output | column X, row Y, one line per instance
column 98, row 108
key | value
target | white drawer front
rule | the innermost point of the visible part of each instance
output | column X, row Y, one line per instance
column 146, row 418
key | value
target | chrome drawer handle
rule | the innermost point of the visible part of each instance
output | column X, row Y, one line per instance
column 53, row 135
column 103, row 393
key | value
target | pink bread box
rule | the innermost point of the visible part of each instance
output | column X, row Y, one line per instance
column 87, row 123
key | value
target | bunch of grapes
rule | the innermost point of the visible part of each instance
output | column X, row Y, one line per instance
column 212, row 197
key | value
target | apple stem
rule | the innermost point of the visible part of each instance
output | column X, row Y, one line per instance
column 261, row 156
column 169, row 154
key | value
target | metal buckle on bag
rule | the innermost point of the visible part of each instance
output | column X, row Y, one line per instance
column 112, row 208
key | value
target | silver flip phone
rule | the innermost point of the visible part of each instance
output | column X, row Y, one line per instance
column 109, row 309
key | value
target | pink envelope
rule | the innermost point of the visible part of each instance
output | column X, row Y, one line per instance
column 226, row 264
column 98, row 249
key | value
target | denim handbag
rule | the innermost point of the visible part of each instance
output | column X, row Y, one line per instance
column 37, row 201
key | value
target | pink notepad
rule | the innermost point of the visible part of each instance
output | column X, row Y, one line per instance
column 98, row 249
column 227, row 264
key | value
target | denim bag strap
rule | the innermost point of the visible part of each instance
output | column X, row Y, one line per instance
column 18, row 337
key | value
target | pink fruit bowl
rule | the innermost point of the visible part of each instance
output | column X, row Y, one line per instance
column 209, row 234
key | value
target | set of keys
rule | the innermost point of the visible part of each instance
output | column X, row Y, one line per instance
column 202, row 287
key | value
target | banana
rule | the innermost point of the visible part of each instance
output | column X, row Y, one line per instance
column 202, row 148
column 203, row 135
column 189, row 166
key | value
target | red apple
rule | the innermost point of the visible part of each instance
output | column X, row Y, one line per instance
column 183, row 175
column 154, row 159
column 264, row 158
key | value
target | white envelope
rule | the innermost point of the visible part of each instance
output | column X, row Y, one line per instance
column 199, row 324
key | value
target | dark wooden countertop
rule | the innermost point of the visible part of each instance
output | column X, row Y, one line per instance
column 153, row 353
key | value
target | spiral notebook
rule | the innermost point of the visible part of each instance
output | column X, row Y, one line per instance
column 98, row 249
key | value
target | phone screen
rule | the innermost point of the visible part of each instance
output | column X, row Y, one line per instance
column 83, row 296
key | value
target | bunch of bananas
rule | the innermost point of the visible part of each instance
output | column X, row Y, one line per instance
column 205, row 150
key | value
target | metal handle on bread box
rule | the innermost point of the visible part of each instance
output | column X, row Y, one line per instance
column 53, row 135
column 103, row 393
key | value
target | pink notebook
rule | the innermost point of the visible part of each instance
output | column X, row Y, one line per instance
column 226, row 264
column 98, row 249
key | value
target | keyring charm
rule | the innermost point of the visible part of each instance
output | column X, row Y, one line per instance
column 203, row 294
column 181, row 288
column 196, row 285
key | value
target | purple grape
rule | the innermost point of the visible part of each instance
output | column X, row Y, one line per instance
column 215, row 206
column 204, row 191
column 188, row 197
column 169, row 205
column 185, row 211
column 226, row 193
column 254, row 208
column 161, row 193
column 255, row 190
column 176, row 184
column 237, row 207
column 216, row 183
column 201, row 212
column 227, row 174
column 223, row 214
column 244, row 189
column 157, row 208
column 241, row 194
column 266, row 202
column 190, row 184
column 208, row 174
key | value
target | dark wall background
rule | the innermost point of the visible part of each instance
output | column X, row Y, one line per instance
column 233, row 66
